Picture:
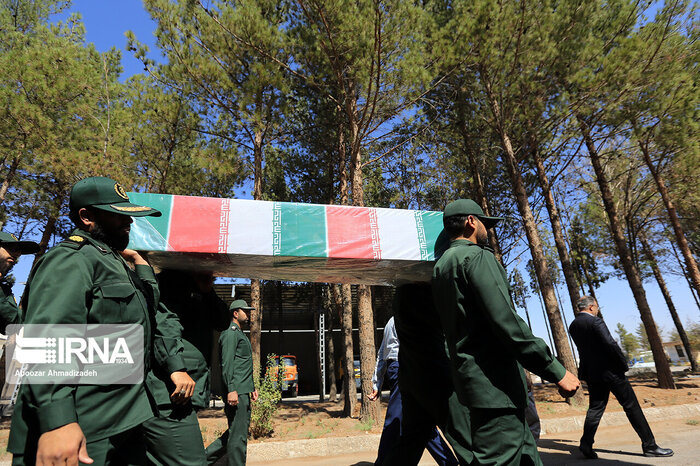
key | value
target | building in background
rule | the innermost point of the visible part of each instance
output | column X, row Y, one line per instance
column 289, row 323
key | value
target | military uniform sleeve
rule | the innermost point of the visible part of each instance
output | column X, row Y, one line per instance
column 54, row 300
column 229, row 345
column 491, row 292
column 9, row 312
column 148, row 278
column 168, row 347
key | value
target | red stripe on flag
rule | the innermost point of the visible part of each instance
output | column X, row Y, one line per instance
column 349, row 232
column 195, row 224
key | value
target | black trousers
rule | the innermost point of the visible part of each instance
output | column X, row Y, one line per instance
column 599, row 392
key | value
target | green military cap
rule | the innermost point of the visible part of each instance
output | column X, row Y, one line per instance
column 10, row 241
column 469, row 207
column 240, row 304
column 106, row 194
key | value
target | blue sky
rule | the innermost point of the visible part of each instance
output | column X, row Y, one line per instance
column 106, row 21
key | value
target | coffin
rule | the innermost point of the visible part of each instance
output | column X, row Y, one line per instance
column 287, row 241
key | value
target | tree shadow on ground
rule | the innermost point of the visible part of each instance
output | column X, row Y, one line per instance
column 568, row 453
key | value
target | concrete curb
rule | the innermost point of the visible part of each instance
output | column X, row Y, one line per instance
column 331, row 446
column 570, row 424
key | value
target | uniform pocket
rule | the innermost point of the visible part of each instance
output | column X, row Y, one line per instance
column 111, row 303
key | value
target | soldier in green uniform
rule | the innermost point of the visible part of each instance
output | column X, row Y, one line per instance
column 91, row 278
column 10, row 251
column 173, row 436
column 488, row 343
column 237, row 374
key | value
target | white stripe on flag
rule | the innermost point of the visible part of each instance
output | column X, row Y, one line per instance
column 397, row 234
column 250, row 227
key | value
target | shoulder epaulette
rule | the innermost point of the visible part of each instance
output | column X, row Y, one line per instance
column 74, row 241
column 77, row 242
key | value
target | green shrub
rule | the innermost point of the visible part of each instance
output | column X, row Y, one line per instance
column 269, row 396
column 366, row 426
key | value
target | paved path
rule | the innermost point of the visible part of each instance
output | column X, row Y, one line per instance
column 616, row 445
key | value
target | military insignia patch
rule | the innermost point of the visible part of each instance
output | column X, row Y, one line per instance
column 120, row 190
column 76, row 238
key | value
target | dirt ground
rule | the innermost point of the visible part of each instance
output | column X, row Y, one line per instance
column 309, row 420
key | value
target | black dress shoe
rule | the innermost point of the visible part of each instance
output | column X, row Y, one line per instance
column 658, row 451
column 588, row 452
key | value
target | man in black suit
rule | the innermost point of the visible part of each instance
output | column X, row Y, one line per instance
column 603, row 366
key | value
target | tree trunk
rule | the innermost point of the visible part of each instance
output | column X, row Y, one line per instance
column 8, row 179
column 349, row 388
column 46, row 235
column 544, row 318
column 255, row 322
column 255, row 301
column 329, row 305
column 527, row 314
column 669, row 302
column 479, row 191
column 539, row 261
column 369, row 409
column 365, row 313
column 663, row 371
column 51, row 221
column 557, row 231
column 578, row 267
column 685, row 274
column 691, row 265
column 584, row 269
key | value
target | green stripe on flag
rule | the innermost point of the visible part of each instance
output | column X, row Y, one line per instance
column 303, row 230
column 429, row 226
column 154, row 230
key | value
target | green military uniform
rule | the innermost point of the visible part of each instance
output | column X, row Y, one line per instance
column 9, row 312
column 237, row 374
column 84, row 281
column 487, row 343
column 174, row 436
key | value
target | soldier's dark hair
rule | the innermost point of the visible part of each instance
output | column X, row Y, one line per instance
column 584, row 302
column 74, row 217
column 454, row 224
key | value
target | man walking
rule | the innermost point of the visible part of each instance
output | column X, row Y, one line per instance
column 603, row 367
column 173, row 436
column 10, row 251
column 428, row 398
column 388, row 363
column 91, row 278
column 237, row 374
column 488, row 343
